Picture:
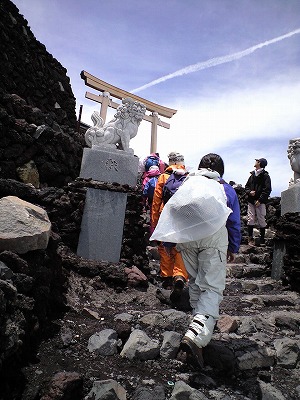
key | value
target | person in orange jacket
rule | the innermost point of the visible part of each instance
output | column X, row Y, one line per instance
column 172, row 269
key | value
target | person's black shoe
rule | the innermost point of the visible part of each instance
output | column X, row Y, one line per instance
column 178, row 286
column 167, row 282
column 262, row 242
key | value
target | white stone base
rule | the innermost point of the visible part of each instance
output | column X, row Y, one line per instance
column 109, row 166
column 290, row 199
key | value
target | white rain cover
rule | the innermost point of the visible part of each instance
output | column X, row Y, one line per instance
column 198, row 209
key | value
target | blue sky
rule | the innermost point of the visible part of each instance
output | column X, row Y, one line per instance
column 244, row 108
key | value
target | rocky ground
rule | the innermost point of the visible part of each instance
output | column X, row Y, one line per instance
column 254, row 353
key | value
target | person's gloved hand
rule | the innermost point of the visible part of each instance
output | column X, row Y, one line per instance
column 230, row 256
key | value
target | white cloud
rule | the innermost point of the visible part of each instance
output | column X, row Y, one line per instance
column 249, row 121
column 261, row 112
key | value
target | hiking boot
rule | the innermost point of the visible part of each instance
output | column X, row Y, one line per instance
column 200, row 330
column 262, row 242
column 163, row 296
column 178, row 286
column 167, row 282
column 194, row 353
column 262, row 236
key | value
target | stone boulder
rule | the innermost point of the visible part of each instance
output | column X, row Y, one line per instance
column 23, row 226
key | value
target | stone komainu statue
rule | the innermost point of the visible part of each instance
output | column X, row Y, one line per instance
column 118, row 132
column 294, row 157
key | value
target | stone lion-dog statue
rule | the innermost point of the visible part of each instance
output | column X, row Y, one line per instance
column 117, row 133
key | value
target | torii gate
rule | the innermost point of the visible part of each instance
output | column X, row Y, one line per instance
column 110, row 90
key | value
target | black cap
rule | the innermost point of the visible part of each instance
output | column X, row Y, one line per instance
column 262, row 161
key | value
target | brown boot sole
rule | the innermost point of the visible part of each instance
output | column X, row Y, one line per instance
column 193, row 351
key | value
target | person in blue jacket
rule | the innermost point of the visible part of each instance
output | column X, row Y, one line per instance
column 205, row 261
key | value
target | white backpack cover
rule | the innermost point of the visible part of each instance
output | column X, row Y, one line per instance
column 197, row 210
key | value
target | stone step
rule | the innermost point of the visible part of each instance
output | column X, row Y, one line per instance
column 254, row 255
column 287, row 298
column 258, row 303
column 250, row 286
column 245, row 248
column 263, row 327
column 277, row 316
column 243, row 270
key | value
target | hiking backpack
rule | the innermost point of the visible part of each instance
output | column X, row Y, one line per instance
column 196, row 211
column 149, row 188
column 171, row 186
column 150, row 161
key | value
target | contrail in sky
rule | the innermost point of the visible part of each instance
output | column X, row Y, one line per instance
column 215, row 61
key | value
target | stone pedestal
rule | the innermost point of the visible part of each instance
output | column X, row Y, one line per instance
column 102, row 225
column 109, row 166
column 104, row 211
column 290, row 199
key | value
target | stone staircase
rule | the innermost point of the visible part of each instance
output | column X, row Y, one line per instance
column 252, row 283
column 258, row 334
column 255, row 348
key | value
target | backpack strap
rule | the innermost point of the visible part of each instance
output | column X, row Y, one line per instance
column 169, row 191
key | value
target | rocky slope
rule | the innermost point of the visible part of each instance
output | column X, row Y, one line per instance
column 254, row 353
column 39, row 143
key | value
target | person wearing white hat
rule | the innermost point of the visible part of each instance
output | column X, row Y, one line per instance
column 172, row 269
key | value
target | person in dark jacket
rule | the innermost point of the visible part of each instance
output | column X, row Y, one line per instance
column 258, row 189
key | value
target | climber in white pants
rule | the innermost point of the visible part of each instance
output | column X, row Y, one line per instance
column 205, row 261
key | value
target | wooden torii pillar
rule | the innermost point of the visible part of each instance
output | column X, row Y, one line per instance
column 110, row 90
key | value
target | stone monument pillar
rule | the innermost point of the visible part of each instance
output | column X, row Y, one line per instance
column 290, row 198
column 109, row 159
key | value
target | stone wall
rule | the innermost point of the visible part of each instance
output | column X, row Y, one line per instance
column 39, row 143
column 33, row 286
column 28, row 70
column 288, row 233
